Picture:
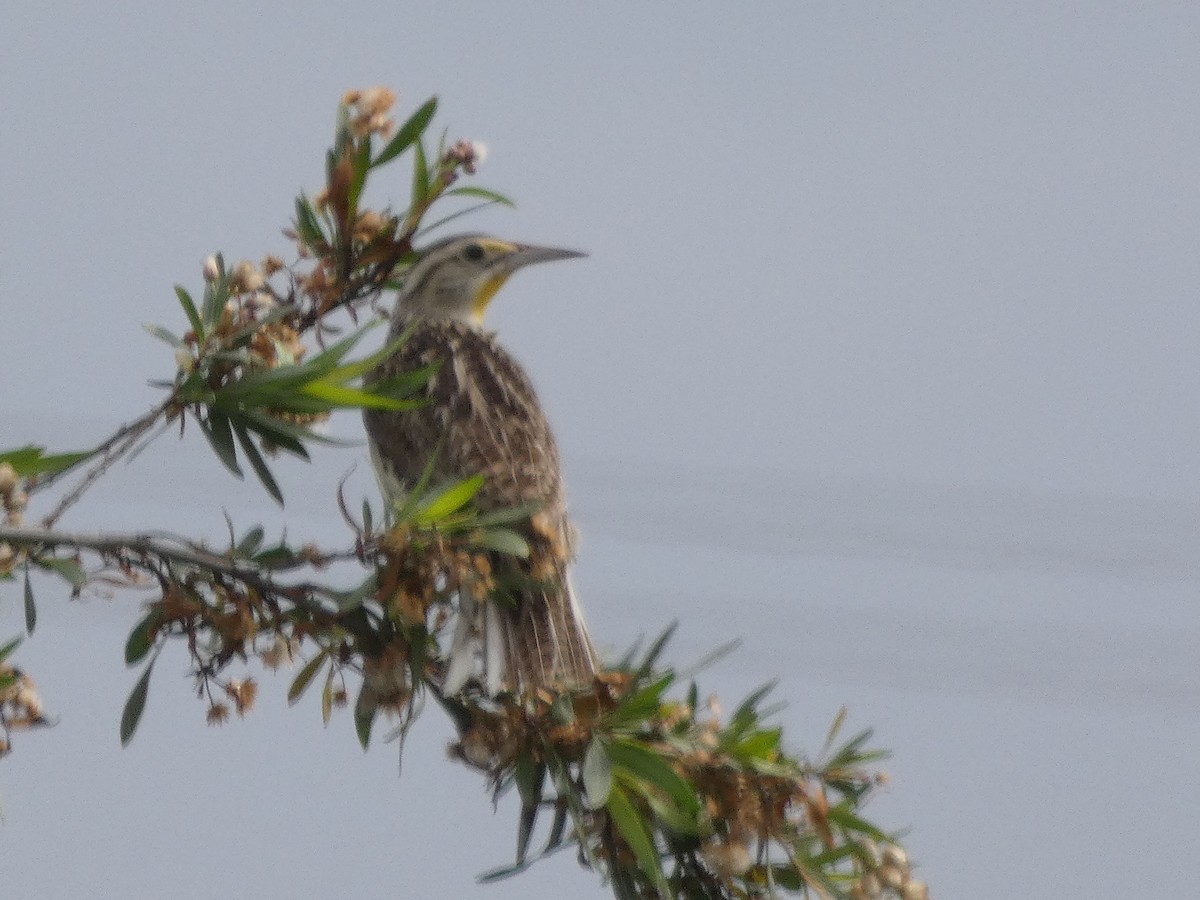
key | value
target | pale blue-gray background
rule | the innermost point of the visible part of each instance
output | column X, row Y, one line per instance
column 884, row 360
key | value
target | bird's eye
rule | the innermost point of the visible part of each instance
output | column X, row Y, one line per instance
column 472, row 252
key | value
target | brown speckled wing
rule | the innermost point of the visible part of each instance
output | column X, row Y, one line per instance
column 482, row 409
column 485, row 416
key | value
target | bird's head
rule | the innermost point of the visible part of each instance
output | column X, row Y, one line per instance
column 456, row 278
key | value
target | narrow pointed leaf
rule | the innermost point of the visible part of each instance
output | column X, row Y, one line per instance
column 420, row 179
column 632, row 828
column 450, row 500
column 216, row 429
column 8, row 648
column 412, row 129
column 362, row 162
column 163, row 335
column 656, row 650
column 364, row 718
column 481, row 193
column 135, row 705
column 30, row 606
column 308, row 228
column 327, row 699
column 189, row 310
column 140, row 640
column 502, row 540
column 258, row 463
column 336, row 395
column 304, row 677
column 597, row 774
column 67, row 569
column 651, row 768
column 250, row 542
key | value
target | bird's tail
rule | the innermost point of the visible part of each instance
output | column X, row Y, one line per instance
column 538, row 639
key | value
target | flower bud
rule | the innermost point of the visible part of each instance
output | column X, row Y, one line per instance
column 8, row 478
column 915, row 890
column 895, row 856
column 246, row 278
column 211, row 270
column 185, row 361
column 891, row 876
column 871, row 888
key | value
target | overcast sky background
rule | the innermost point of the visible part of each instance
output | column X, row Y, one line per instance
column 884, row 359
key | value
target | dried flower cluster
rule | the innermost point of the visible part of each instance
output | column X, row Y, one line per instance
column 887, row 875
column 13, row 499
column 20, row 705
column 370, row 111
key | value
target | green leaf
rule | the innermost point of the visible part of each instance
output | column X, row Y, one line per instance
column 364, row 718
column 362, row 162
column 502, row 540
column 9, row 648
column 637, row 707
column 762, row 744
column 163, row 335
column 529, row 776
column 650, row 767
column 220, row 435
column 258, row 463
column 140, row 639
column 519, row 513
column 597, row 774
column 308, row 228
column 283, row 435
column 412, row 129
column 336, row 395
column 189, row 310
column 280, row 556
column 304, row 677
column 664, row 808
column 420, row 179
column 135, row 705
column 68, row 569
column 327, row 699
column 632, row 828
column 746, row 714
column 215, row 294
column 449, row 501
column 493, row 875
column 844, row 816
column 656, row 649
column 30, row 606
column 31, row 460
column 405, row 510
column 481, row 193
column 457, row 214
column 250, row 542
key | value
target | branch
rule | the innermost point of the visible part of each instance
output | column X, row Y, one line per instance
column 177, row 549
column 121, row 442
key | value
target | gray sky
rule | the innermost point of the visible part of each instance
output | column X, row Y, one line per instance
column 883, row 359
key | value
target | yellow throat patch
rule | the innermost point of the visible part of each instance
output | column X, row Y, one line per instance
column 487, row 290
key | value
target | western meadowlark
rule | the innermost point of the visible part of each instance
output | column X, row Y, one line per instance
column 483, row 417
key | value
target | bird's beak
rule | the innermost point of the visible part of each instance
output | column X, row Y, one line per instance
column 528, row 254
column 520, row 256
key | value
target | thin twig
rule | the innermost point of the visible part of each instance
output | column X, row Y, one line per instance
column 178, row 550
column 109, row 452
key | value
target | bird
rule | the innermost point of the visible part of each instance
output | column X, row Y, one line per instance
column 481, row 416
